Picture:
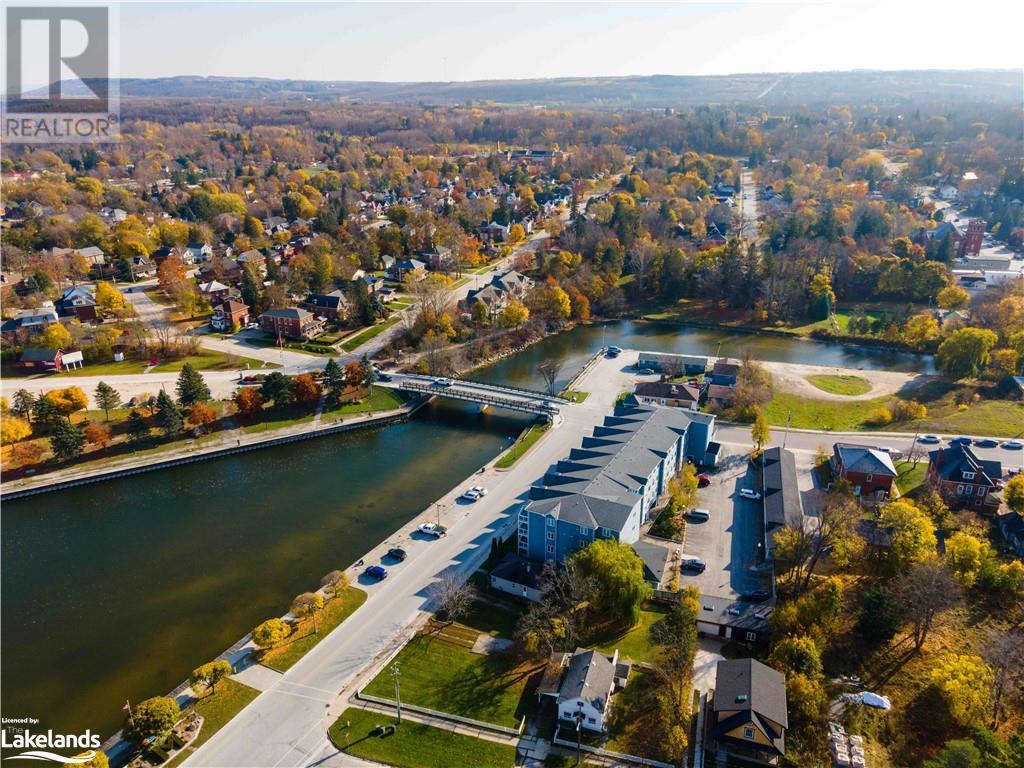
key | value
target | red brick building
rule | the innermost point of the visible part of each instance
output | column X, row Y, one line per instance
column 869, row 470
column 292, row 323
column 962, row 478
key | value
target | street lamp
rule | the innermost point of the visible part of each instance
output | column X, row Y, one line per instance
column 396, row 673
column 578, row 717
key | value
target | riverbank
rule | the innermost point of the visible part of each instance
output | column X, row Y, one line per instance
column 189, row 454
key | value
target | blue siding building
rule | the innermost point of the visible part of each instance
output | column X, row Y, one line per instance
column 606, row 488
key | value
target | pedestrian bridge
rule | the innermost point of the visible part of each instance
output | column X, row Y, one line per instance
column 496, row 395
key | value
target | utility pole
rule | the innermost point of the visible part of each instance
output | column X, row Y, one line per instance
column 437, row 508
column 718, row 352
column 578, row 716
column 789, row 422
column 396, row 673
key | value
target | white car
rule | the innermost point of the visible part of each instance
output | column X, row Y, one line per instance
column 747, row 493
column 432, row 529
column 1013, row 445
column 475, row 493
column 929, row 439
column 442, row 382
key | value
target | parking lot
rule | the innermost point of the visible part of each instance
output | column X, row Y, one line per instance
column 730, row 542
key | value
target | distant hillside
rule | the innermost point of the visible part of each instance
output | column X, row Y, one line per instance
column 1004, row 86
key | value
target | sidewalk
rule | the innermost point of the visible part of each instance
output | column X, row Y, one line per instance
column 222, row 443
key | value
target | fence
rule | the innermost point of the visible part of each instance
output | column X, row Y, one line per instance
column 609, row 754
column 502, row 729
column 527, row 404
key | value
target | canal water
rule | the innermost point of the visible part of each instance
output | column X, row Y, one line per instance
column 117, row 590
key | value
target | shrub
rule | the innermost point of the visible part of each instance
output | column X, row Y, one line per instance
column 880, row 417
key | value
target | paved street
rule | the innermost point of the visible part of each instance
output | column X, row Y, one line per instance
column 286, row 725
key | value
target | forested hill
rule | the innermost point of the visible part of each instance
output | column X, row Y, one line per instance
column 861, row 86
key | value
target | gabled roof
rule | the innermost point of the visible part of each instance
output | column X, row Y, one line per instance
column 38, row 355
column 213, row 286
column 953, row 462
column 590, row 677
column 332, row 300
column 77, row 296
column 667, row 390
column 755, row 693
column 295, row 313
column 864, row 458
column 782, row 504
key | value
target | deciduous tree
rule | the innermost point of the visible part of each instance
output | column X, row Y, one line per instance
column 965, row 682
column 308, row 605
column 69, row 400
column 249, row 401
column 97, row 434
column 923, row 592
column 307, row 389
column 13, row 429
column 618, row 574
column 201, row 415
column 56, row 336
column 208, row 675
column 270, row 633
column 451, row 596
column 334, row 583
column 965, row 352
column 150, row 718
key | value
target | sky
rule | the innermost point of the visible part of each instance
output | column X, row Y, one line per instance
column 481, row 40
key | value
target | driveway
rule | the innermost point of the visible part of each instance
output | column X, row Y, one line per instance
column 729, row 541
column 705, row 662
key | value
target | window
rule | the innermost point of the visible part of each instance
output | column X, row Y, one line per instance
column 584, row 531
column 981, row 492
column 959, row 490
column 968, row 475
column 748, row 733
column 591, row 720
column 969, row 490
column 751, row 637
column 551, row 522
column 551, row 549
column 869, row 478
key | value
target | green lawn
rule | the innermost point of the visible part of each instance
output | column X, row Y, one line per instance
column 303, row 638
column 157, row 295
column 841, row 384
column 414, row 745
column 372, row 332
column 442, row 674
column 277, row 419
column 634, row 643
column 211, row 360
column 574, row 395
column 382, row 399
column 217, row 709
column 107, row 369
column 837, row 415
column 910, row 476
column 522, row 444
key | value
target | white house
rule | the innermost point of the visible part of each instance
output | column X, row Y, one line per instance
column 584, row 696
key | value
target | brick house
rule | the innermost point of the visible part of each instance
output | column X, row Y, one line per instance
column 962, row 478
column 333, row 305
column 78, row 302
column 869, row 470
column 229, row 314
column 292, row 323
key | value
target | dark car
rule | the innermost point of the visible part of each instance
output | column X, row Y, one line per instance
column 962, row 440
column 756, row 596
column 383, row 376
column 987, row 443
column 693, row 565
column 378, row 572
column 397, row 553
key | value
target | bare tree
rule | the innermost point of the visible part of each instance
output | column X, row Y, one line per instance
column 1003, row 652
column 803, row 547
column 641, row 258
column 451, row 595
column 925, row 591
column 555, row 621
column 549, row 371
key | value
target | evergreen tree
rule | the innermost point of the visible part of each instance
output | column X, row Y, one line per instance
column 191, row 387
column 44, row 411
column 138, row 430
column 22, row 403
column 369, row 372
column 67, row 440
column 168, row 414
column 334, row 378
column 106, row 398
column 251, row 289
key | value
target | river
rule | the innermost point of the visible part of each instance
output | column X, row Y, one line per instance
column 117, row 590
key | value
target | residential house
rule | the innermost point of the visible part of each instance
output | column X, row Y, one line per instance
column 164, row 252
column 869, row 470
column 79, row 302
column 672, row 363
column 198, row 252
column 606, row 488
column 438, row 259
column 667, row 393
column 722, row 383
column 373, row 283
column 28, row 323
column 55, row 360
column 515, row 575
column 782, row 505
column 733, row 619
column 93, row 255
column 254, row 258
column 274, row 224
column 292, row 323
column 585, row 692
column 214, row 291
column 513, row 283
column 113, row 215
column 749, row 716
column 490, row 296
column 229, row 314
column 493, row 232
column 141, row 267
column 413, row 269
column 333, row 306
column 962, row 478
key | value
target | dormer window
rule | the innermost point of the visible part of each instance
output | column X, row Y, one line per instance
column 968, row 475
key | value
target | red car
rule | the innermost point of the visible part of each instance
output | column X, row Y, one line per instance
column 703, row 481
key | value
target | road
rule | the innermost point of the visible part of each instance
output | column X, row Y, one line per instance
column 473, row 391
column 749, row 226
column 286, row 725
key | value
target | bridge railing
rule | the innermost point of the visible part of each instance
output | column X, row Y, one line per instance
column 526, row 405
column 517, row 390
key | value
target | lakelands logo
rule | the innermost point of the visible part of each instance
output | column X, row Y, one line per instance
column 59, row 86
column 38, row 746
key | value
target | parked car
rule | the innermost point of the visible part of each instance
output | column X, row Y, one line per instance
column 962, row 440
column 442, row 382
column 397, row 553
column 987, row 442
column 929, row 439
column 693, row 565
column 703, row 480
column 475, row 493
column 747, row 493
column 699, row 514
column 1013, row 445
column 756, row 596
column 378, row 572
column 645, row 372
column 615, row 350
column 381, row 376
column 252, row 326
column 432, row 529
